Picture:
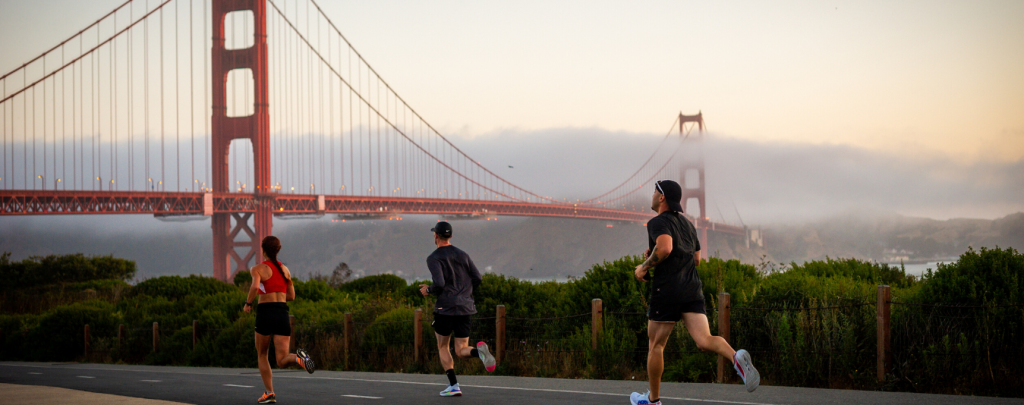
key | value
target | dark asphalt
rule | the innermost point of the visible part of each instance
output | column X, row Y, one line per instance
column 242, row 386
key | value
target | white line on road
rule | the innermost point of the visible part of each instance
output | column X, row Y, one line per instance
column 362, row 396
column 86, row 376
column 404, row 382
column 36, row 373
column 718, row 401
column 149, row 380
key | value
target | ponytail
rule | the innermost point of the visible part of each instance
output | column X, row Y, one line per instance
column 271, row 246
column 277, row 265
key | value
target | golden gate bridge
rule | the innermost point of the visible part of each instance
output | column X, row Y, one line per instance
column 165, row 108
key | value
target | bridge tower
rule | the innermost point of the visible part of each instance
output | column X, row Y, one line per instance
column 255, row 128
column 692, row 159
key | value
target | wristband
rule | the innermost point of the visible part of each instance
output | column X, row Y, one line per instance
column 248, row 304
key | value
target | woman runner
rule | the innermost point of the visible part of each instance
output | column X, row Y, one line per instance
column 273, row 283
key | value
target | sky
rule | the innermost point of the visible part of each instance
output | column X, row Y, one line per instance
column 812, row 107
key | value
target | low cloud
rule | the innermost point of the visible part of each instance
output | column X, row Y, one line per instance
column 766, row 182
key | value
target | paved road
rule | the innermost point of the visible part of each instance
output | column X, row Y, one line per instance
column 242, row 386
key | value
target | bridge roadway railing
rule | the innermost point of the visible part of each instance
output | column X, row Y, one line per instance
column 48, row 202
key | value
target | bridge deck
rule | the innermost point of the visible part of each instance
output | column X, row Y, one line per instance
column 48, row 202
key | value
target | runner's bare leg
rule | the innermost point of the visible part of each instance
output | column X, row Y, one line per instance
column 658, row 333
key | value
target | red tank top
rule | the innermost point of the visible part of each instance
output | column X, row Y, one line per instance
column 274, row 284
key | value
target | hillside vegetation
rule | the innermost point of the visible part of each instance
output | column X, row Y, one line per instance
column 955, row 330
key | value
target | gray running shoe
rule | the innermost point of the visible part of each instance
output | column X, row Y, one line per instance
column 485, row 356
column 745, row 368
column 452, row 391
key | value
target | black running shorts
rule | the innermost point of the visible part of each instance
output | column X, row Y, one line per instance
column 673, row 312
column 272, row 319
column 452, row 325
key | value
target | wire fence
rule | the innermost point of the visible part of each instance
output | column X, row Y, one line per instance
column 828, row 345
column 957, row 345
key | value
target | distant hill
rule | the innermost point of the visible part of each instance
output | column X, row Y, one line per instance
column 531, row 248
column 891, row 238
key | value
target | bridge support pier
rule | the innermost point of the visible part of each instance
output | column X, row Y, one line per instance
column 695, row 191
column 255, row 128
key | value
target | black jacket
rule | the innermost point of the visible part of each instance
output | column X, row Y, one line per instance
column 455, row 276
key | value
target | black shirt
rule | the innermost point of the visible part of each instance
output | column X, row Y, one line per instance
column 455, row 276
column 675, row 279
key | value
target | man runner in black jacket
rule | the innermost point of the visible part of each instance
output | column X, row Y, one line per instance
column 677, row 292
column 454, row 278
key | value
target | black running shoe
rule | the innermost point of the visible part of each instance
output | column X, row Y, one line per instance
column 304, row 361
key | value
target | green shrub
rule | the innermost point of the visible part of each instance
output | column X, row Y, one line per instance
column 312, row 290
column 391, row 329
column 985, row 277
column 53, row 269
column 242, row 278
column 59, row 336
column 177, row 287
column 381, row 284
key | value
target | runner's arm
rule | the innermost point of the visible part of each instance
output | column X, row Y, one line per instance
column 474, row 274
column 696, row 258
column 435, row 274
column 290, row 294
column 662, row 248
column 255, row 284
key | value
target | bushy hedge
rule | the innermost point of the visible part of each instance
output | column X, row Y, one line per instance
column 42, row 270
column 176, row 287
column 811, row 325
column 380, row 284
column 59, row 334
column 988, row 276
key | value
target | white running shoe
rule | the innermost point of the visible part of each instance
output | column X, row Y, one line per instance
column 745, row 368
column 485, row 356
column 452, row 391
column 637, row 398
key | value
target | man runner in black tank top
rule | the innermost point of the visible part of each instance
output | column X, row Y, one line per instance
column 677, row 292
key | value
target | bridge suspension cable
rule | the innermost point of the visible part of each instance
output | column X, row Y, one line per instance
column 337, row 127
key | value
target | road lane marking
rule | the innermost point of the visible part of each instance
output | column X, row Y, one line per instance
column 36, row 373
column 717, row 401
column 85, row 376
column 236, row 385
column 405, row 382
column 149, row 380
column 362, row 396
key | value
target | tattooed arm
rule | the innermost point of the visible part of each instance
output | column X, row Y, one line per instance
column 662, row 248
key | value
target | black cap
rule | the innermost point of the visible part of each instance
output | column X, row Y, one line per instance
column 672, row 192
column 442, row 229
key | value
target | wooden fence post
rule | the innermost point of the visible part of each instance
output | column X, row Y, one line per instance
column 882, row 326
column 195, row 335
column 596, row 315
column 120, row 336
column 86, row 351
column 499, row 334
column 724, row 299
column 291, row 342
column 417, row 328
column 348, row 338
column 156, row 336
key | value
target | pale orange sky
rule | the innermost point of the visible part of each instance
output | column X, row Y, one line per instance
column 899, row 77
